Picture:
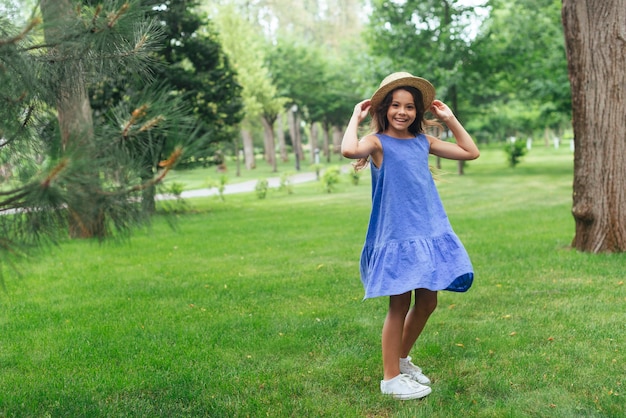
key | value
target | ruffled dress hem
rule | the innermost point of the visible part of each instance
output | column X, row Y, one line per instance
column 397, row 267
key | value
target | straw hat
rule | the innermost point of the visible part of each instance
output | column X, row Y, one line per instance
column 401, row 79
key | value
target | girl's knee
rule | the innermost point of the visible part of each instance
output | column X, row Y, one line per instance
column 400, row 304
column 426, row 300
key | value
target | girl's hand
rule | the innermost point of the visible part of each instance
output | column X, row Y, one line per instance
column 361, row 110
column 441, row 110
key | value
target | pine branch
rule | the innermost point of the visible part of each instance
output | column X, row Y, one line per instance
column 21, row 36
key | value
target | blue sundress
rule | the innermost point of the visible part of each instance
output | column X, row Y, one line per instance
column 410, row 243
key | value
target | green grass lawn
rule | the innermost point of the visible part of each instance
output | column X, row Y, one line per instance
column 254, row 308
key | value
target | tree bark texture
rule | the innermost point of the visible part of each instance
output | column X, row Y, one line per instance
column 73, row 105
column 74, row 113
column 595, row 38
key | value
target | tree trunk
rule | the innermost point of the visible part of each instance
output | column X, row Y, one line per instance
column 248, row 149
column 282, row 146
column 326, row 141
column 237, row 156
column 595, row 38
column 86, row 219
column 313, row 142
column 270, row 144
column 337, row 137
column 294, row 131
column 299, row 149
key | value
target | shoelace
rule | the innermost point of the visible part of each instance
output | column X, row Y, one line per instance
column 407, row 379
column 410, row 364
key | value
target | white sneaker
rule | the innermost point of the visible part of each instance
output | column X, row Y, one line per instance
column 403, row 387
column 407, row 367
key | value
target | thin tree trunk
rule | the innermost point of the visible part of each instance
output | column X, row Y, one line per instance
column 270, row 144
column 313, row 141
column 248, row 149
column 299, row 149
column 337, row 136
column 280, row 134
column 326, row 139
column 237, row 157
column 595, row 38
column 294, row 132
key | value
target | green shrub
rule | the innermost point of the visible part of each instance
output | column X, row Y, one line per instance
column 176, row 189
column 220, row 185
column 177, row 205
column 330, row 178
column 515, row 150
column 318, row 169
column 261, row 188
column 285, row 183
column 355, row 176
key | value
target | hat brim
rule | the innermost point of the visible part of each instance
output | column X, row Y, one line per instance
column 423, row 85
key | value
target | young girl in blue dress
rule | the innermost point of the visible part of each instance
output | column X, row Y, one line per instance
column 410, row 248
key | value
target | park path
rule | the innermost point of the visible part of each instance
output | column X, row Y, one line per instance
column 245, row 186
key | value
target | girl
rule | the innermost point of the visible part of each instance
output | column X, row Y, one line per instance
column 410, row 247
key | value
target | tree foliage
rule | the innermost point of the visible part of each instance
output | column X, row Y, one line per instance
column 518, row 62
column 513, row 61
column 191, row 60
column 62, row 169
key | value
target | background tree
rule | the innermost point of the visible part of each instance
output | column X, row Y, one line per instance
column 262, row 104
column 516, row 75
column 320, row 32
column 298, row 72
column 192, row 66
column 195, row 64
column 596, row 52
column 74, row 171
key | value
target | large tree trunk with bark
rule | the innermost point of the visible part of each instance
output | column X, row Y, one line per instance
column 595, row 38
column 86, row 219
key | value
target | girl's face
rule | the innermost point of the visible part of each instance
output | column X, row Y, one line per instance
column 401, row 113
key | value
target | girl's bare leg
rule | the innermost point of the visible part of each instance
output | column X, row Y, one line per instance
column 425, row 304
column 392, row 340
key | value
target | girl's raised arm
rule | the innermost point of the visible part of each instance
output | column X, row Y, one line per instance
column 464, row 148
column 351, row 147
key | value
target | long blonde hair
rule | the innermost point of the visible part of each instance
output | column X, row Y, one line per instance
column 380, row 123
